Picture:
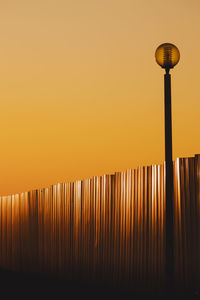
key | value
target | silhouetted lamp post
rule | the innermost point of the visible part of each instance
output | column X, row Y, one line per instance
column 167, row 56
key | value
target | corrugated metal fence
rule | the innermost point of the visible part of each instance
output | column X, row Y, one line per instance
column 110, row 227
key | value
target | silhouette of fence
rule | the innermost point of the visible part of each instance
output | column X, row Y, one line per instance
column 110, row 227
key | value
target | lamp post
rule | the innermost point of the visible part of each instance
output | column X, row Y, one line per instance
column 167, row 56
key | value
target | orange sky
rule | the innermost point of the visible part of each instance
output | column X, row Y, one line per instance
column 81, row 93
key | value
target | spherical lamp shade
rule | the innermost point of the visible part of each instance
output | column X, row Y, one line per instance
column 167, row 55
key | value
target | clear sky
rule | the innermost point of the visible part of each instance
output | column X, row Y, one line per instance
column 81, row 93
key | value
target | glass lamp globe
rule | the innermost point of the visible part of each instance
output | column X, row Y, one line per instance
column 167, row 55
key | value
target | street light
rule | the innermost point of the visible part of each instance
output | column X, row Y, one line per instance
column 167, row 56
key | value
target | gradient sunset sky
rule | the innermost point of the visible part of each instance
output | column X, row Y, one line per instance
column 81, row 93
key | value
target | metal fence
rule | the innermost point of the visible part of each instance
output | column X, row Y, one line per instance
column 109, row 228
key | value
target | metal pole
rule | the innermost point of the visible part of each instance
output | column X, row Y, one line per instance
column 169, row 184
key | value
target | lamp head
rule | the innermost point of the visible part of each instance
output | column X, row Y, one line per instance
column 167, row 56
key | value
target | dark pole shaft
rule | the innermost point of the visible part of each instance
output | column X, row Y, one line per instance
column 169, row 184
